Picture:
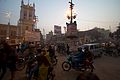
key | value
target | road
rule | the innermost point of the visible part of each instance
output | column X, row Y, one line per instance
column 106, row 68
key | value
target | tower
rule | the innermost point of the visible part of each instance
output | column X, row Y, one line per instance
column 27, row 16
column 72, row 32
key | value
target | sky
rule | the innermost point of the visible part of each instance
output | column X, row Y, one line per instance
column 90, row 13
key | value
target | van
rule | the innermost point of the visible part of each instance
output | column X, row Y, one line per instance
column 95, row 48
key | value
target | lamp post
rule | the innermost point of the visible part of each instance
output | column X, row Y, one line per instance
column 35, row 20
column 72, row 33
column 8, row 15
column 71, row 16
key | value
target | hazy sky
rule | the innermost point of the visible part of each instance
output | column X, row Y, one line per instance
column 90, row 13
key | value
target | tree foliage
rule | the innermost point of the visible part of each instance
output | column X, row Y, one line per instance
column 116, row 34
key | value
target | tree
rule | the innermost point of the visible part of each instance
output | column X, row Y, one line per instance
column 117, row 32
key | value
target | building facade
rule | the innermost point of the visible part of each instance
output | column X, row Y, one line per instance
column 16, row 34
column 8, row 32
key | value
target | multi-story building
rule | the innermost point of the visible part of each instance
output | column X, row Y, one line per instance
column 8, row 32
column 27, row 18
column 26, row 24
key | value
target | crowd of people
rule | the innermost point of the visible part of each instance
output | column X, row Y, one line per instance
column 112, row 49
column 8, row 59
column 38, row 67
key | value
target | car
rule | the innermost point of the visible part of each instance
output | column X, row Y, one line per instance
column 95, row 48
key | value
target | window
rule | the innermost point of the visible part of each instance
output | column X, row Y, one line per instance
column 30, row 15
column 25, row 14
column 13, row 33
column 26, row 27
column 3, row 32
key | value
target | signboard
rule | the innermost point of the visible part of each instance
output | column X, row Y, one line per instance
column 71, row 28
column 32, row 36
column 57, row 29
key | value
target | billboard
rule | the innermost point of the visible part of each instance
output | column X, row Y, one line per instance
column 71, row 27
column 57, row 29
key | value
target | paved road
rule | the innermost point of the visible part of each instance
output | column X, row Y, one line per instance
column 107, row 68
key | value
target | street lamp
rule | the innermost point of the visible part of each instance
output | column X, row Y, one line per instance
column 35, row 20
column 72, row 15
column 7, row 38
column 8, row 15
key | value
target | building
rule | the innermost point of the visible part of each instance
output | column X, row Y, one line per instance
column 8, row 32
column 98, row 35
column 49, row 37
column 25, row 30
column 57, row 30
column 27, row 19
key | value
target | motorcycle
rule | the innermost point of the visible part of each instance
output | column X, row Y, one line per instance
column 20, row 64
column 70, row 64
column 22, row 61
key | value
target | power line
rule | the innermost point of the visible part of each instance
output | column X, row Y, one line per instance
column 97, row 21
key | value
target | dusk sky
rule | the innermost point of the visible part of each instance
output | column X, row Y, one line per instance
column 90, row 13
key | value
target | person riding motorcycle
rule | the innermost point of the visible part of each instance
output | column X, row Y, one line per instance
column 79, row 58
column 88, row 54
column 89, row 57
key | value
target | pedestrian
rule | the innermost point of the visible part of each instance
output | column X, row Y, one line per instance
column 51, row 52
column 44, row 63
column 11, row 61
column 3, row 58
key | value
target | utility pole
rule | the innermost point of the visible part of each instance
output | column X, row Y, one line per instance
column 8, row 15
column 71, row 16
column 28, row 2
column 71, row 8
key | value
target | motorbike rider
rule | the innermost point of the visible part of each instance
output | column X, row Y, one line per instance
column 79, row 57
column 89, row 55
